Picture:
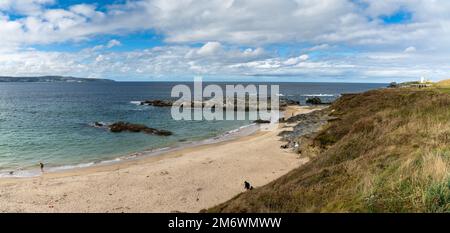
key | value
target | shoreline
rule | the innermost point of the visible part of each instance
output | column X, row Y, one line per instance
column 187, row 179
column 230, row 135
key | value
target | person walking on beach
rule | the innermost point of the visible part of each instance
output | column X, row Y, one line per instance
column 42, row 167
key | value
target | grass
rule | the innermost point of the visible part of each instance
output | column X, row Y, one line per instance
column 389, row 151
column 443, row 86
column 443, row 83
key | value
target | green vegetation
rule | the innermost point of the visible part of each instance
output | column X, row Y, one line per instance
column 443, row 86
column 51, row 79
column 389, row 151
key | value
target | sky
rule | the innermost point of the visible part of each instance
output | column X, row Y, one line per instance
column 247, row 40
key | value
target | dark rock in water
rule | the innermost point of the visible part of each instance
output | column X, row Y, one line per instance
column 136, row 128
column 98, row 124
column 259, row 121
column 286, row 102
column 393, row 85
column 158, row 103
column 237, row 104
column 170, row 103
column 228, row 103
column 314, row 101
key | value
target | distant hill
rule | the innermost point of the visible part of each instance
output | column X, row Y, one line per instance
column 49, row 79
column 444, row 83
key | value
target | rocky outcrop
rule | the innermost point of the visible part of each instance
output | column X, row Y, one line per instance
column 259, row 121
column 314, row 101
column 158, row 103
column 305, row 125
column 288, row 102
column 393, row 85
column 136, row 128
column 232, row 103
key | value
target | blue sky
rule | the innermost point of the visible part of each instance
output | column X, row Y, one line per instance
column 144, row 40
column 129, row 42
column 399, row 17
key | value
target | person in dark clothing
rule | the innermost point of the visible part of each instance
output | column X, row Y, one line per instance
column 42, row 167
column 247, row 185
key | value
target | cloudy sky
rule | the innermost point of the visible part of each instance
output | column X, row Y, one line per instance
column 285, row 40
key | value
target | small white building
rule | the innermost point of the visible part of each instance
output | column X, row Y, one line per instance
column 424, row 80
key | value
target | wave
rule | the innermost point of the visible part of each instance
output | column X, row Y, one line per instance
column 228, row 135
column 99, row 124
column 19, row 173
column 68, row 167
column 239, row 129
column 319, row 95
column 136, row 102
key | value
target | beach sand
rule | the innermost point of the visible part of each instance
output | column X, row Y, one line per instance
column 185, row 180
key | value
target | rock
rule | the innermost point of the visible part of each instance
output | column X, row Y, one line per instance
column 331, row 119
column 242, row 104
column 259, row 121
column 306, row 125
column 314, row 101
column 284, row 103
column 135, row 128
column 393, row 85
column 288, row 102
column 158, row 103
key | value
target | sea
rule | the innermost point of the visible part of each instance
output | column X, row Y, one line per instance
column 53, row 123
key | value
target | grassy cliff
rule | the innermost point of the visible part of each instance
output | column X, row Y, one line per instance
column 387, row 151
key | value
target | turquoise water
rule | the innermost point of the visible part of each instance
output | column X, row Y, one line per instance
column 52, row 122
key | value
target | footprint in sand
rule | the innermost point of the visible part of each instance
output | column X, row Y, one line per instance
column 163, row 173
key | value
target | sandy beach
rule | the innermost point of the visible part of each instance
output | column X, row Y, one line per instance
column 185, row 180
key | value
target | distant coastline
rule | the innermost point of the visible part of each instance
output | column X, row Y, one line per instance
column 48, row 79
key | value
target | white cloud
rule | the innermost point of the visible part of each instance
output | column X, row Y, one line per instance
column 236, row 37
column 320, row 47
column 99, row 58
column 172, row 61
column 234, row 22
column 215, row 52
column 411, row 49
column 209, row 49
column 110, row 44
column 27, row 7
column 113, row 43
column 84, row 10
column 296, row 60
